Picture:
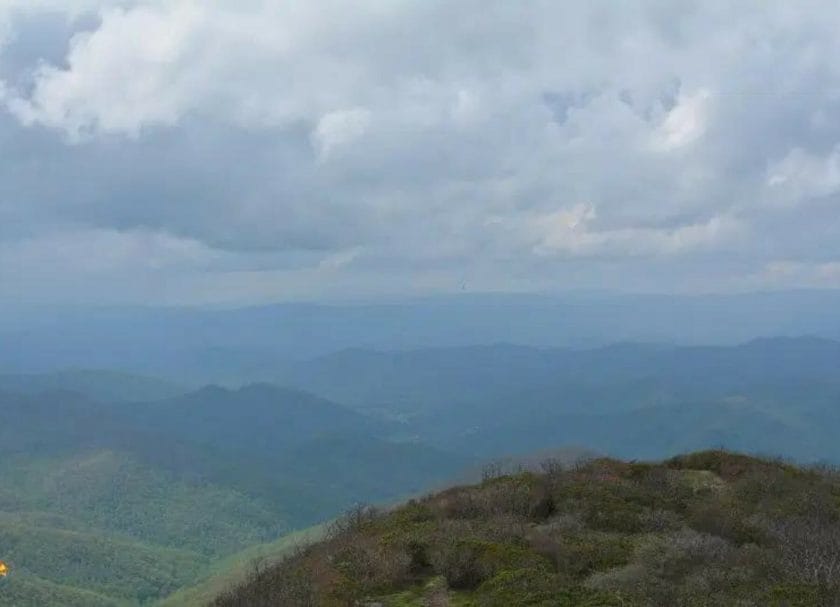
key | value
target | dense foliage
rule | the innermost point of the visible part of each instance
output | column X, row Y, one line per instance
column 127, row 503
column 707, row 529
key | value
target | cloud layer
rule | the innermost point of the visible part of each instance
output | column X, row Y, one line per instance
column 252, row 150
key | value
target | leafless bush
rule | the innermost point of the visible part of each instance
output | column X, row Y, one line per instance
column 460, row 504
column 504, row 496
column 355, row 519
column 547, row 539
column 810, row 549
column 459, row 562
column 683, row 568
column 660, row 520
column 507, row 497
column 678, row 552
column 582, row 462
column 287, row 583
column 552, row 467
column 505, row 528
column 567, row 523
column 491, row 471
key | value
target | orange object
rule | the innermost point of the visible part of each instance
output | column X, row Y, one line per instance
column 4, row 569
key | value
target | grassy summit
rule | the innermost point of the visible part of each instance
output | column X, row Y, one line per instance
column 706, row 529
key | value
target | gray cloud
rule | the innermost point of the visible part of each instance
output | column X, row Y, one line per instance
column 192, row 151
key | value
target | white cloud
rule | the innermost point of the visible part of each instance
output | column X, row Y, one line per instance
column 127, row 74
column 802, row 274
column 340, row 259
column 338, row 129
column 571, row 232
column 97, row 251
column 801, row 176
column 685, row 122
column 437, row 138
column 154, row 63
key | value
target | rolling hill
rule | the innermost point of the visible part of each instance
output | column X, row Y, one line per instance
column 123, row 505
column 711, row 529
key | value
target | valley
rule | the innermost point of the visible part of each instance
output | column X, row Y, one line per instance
column 125, row 501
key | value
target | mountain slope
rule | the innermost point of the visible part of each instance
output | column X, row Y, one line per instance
column 110, row 566
column 26, row 590
column 100, row 385
column 134, row 502
column 116, row 493
column 258, row 418
column 211, row 472
column 712, row 528
column 236, row 568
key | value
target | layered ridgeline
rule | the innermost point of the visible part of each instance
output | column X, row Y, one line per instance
column 123, row 503
column 124, row 489
column 102, row 385
column 710, row 529
column 208, row 345
column 776, row 396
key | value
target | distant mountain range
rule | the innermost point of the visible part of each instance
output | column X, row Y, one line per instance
column 200, row 345
column 100, row 385
column 632, row 400
column 117, row 488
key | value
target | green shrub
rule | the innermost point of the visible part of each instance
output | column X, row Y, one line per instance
column 798, row 595
column 539, row 589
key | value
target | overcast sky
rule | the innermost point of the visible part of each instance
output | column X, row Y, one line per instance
column 242, row 151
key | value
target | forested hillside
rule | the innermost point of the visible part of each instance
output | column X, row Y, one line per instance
column 708, row 529
column 126, row 503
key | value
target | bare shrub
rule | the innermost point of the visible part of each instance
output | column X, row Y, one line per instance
column 552, row 467
column 567, row 523
column 355, row 519
column 502, row 496
column 508, row 496
column 683, row 568
column 724, row 520
column 460, row 504
column 810, row 549
column 459, row 562
column 491, row 471
column 660, row 520
column 373, row 565
column 287, row 583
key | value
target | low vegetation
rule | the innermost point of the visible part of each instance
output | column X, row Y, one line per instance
column 707, row 529
column 236, row 568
